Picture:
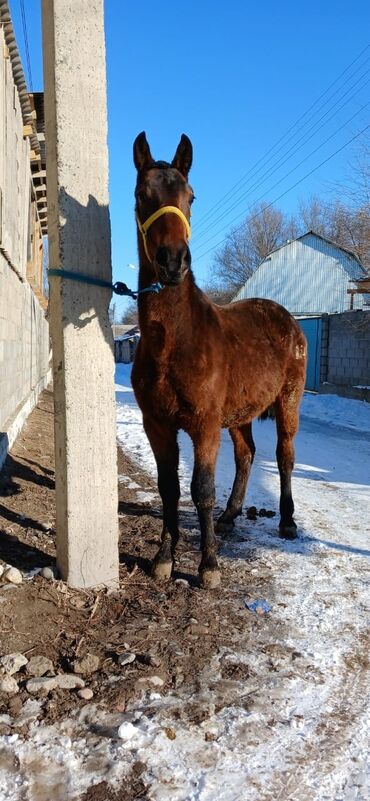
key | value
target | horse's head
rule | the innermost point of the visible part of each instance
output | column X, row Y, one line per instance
column 163, row 200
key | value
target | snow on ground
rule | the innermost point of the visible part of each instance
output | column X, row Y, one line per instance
column 337, row 411
column 305, row 733
column 321, row 595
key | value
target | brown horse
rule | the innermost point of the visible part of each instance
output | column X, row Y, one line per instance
column 202, row 367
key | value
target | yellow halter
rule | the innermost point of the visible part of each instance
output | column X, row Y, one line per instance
column 144, row 227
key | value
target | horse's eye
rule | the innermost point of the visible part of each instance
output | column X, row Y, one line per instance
column 191, row 200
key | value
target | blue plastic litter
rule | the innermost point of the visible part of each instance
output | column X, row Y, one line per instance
column 260, row 606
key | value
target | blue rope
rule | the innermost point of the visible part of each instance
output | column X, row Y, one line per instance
column 119, row 288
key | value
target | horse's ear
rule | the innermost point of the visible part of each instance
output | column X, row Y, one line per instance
column 184, row 156
column 142, row 156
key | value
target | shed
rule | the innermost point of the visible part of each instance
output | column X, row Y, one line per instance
column 126, row 338
column 309, row 275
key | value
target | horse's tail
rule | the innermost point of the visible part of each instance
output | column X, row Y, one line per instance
column 268, row 414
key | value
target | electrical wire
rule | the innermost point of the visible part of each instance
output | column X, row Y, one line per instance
column 292, row 170
column 283, row 137
column 307, row 175
column 283, row 160
column 25, row 36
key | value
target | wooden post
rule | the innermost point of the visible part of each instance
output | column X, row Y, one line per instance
column 79, row 241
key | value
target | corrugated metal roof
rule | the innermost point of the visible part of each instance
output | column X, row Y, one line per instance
column 324, row 239
column 351, row 264
column 309, row 275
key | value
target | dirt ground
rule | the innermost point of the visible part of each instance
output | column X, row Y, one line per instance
column 171, row 627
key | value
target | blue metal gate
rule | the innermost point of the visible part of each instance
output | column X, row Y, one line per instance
column 311, row 327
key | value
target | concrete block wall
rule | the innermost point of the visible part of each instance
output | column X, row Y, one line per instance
column 349, row 349
column 24, row 345
column 324, row 347
column 24, row 331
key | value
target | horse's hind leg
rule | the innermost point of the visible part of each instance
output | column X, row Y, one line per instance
column 287, row 419
column 244, row 450
column 163, row 440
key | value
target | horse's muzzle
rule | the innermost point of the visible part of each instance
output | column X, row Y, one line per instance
column 172, row 264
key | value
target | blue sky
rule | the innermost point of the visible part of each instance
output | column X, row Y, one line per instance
column 235, row 77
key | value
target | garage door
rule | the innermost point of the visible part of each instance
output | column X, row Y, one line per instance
column 312, row 326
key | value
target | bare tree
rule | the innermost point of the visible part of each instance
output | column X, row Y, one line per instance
column 130, row 316
column 265, row 228
column 344, row 218
column 356, row 195
column 344, row 215
column 219, row 295
column 112, row 313
column 343, row 223
column 357, row 189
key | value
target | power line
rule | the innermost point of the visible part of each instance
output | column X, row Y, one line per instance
column 292, row 127
column 266, row 175
column 283, row 160
column 293, row 169
column 25, row 36
column 325, row 161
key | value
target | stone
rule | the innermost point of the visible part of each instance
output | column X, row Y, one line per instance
column 126, row 658
column 86, row 664
column 39, row 665
column 86, row 694
column 47, row 573
column 12, row 663
column 2, row 568
column 40, row 685
column 13, row 575
column 65, row 681
column 155, row 680
column 8, row 685
column 68, row 681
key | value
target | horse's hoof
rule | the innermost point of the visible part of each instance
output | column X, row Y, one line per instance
column 210, row 579
column 224, row 528
column 288, row 532
column 162, row 570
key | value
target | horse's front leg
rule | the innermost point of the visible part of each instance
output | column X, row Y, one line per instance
column 163, row 440
column 206, row 444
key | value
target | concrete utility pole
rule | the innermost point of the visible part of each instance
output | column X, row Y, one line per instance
column 79, row 241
